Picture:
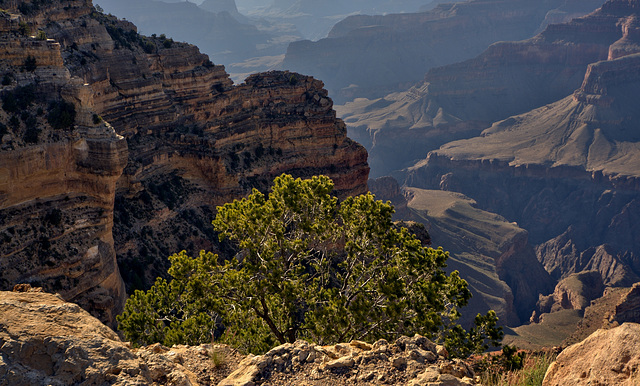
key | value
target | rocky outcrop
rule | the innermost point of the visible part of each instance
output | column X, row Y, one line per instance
column 44, row 340
column 58, row 173
column 607, row 357
column 195, row 141
column 411, row 361
column 574, row 292
column 371, row 56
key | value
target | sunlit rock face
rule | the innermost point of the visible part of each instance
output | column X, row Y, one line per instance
column 180, row 139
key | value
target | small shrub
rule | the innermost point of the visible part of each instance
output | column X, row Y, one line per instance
column 14, row 122
column 30, row 64
column 31, row 135
column 532, row 373
column 41, row 35
column 96, row 119
column 7, row 79
column 62, row 115
column 24, row 29
column 54, row 217
column 9, row 103
column 147, row 46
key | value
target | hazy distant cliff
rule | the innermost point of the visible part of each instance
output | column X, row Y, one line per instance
column 194, row 141
column 460, row 100
column 370, row 56
column 567, row 172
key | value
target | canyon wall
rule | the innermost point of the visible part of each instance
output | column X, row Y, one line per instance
column 567, row 172
column 371, row 56
column 73, row 199
column 460, row 100
column 57, row 182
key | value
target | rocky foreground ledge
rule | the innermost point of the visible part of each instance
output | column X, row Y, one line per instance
column 47, row 341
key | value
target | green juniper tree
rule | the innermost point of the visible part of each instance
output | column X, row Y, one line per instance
column 310, row 268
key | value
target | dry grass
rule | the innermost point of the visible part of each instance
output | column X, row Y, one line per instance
column 531, row 374
column 218, row 357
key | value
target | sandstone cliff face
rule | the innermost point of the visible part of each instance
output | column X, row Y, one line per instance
column 57, row 183
column 195, row 141
column 370, row 56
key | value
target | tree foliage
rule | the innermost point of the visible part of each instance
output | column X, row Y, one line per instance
column 307, row 267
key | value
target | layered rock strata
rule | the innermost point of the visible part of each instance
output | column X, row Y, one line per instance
column 195, row 141
column 58, row 173
column 460, row 100
column 370, row 56
column 579, row 152
column 566, row 172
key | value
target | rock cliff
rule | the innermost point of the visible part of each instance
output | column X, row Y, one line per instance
column 370, row 56
column 194, row 141
column 544, row 167
column 574, row 292
column 460, row 100
column 58, row 173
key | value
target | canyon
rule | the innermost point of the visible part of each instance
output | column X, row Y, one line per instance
column 565, row 171
column 180, row 139
column 371, row 56
column 527, row 155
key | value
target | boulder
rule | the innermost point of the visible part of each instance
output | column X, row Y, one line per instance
column 607, row 357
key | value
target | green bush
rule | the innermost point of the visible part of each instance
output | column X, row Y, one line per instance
column 30, row 64
column 31, row 135
column 307, row 267
column 62, row 115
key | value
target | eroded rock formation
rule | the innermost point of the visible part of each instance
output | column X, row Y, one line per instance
column 460, row 100
column 371, row 56
column 544, row 167
column 195, row 141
